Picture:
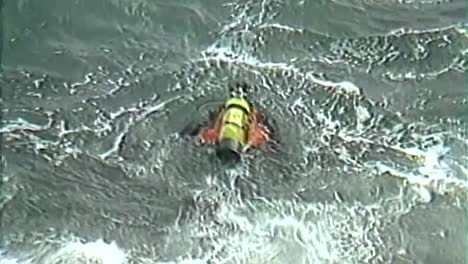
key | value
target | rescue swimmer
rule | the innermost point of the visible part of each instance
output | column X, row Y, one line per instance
column 236, row 127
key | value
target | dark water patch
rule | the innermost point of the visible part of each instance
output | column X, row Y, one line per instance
column 97, row 150
column 123, row 35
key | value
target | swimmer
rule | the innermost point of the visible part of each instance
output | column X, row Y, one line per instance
column 235, row 128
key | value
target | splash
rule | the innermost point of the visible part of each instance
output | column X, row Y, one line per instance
column 264, row 230
column 301, row 233
column 72, row 251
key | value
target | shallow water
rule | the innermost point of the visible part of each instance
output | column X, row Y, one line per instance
column 369, row 98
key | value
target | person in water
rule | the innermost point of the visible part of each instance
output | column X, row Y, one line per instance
column 236, row 127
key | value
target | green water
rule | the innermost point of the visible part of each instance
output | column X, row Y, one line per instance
column 94, row 94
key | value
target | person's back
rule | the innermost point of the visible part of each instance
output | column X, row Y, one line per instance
column 233, row 134
column 236, row 127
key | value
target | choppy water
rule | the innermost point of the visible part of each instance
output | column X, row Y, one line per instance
column 369, row 96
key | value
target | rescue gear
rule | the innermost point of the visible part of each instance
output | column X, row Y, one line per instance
column 235, row 124
column 236, row 127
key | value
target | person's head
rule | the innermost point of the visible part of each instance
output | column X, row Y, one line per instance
column 239, row 89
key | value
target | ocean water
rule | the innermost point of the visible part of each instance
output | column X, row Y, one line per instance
column 369, row 98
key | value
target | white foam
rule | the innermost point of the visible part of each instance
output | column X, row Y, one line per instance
column 348, row 87
column 98, row 251
column 226, row 54
column 286, row 232
column 432, row 167
column 6, row 259
column 9, row 261
column 73, row 252
column 21, row 124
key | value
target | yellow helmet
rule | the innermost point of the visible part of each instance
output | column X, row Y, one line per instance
column 240, row 102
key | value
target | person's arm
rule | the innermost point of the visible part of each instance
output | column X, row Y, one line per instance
column 211, row 134
column 195, row 128
column 264, row 132
column 191, row 129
